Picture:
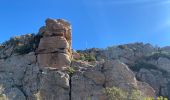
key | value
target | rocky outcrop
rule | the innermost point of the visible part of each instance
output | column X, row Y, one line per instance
column 54, row 49
column 90, row 81
column 46, row 71
column 150, row 64
column 155, row 79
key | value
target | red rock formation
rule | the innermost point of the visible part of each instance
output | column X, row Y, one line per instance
column 54, row 50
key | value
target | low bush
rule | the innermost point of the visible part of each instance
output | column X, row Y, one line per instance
column 123, row 47
column 136, row 67
column 139, row 65
column 89, row 58
column 24, row 44
column 157, row 55
column 115, row 93
column 86, row 57
column 11, row 41
column 23, row 49
column 70, row 70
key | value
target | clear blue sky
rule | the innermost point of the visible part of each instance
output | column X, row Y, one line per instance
column 96, row 23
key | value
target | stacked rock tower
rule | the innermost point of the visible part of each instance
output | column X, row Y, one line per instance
column 54, row 50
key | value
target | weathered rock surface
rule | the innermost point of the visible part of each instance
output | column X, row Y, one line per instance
column 156, row 79
column 22, row 79
column 54, row 85
column 13, row 74
column 90, row 81
column 40, row 74
column 163, row 63
column 154, row 68
column 54, row 49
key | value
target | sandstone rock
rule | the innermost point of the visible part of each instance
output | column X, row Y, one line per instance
column 52, row 44
column 54, row 49
column 54, row 60
column 59, row 27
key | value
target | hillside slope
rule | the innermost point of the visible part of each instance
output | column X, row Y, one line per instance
column 44, row 67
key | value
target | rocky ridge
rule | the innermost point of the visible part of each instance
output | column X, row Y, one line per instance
column 49, row 70
column 149, row 63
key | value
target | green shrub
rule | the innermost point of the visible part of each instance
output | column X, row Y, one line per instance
column 115, row 93
column 24, row 49
column 136, row 67
column 37, row 38
column 89, row 58
column 123, row 47
column 86, row 57
column 70, row 70
column 139, row 65
column 32, row 42
column 135, row 95
column 156, row 55
column 2, row 97
column 82, row 57
column 11, row 41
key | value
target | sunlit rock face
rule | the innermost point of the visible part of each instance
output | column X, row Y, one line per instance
column 36, row 74
column 54, row 49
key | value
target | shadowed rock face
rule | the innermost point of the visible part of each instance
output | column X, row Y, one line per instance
column 54, row 50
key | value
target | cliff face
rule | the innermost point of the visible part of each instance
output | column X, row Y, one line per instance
column 43, row 67
column 150, row 64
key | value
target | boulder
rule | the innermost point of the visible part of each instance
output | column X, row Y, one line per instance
column 156, row 80
column 163, row 63
column 117, row 74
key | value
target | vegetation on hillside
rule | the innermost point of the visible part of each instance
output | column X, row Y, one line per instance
column 23, row 44
column 139, row 65
column 115, row 93
column 157, row 55
column 145, row 65
column 86, row 57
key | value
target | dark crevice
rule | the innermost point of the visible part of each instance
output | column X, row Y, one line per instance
column 160, row 90
column 70, row 87
column 20, row 87
column 50, row 52
column 70, row 84
column 54, row 34
column 36, row 58
column 102, row 71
